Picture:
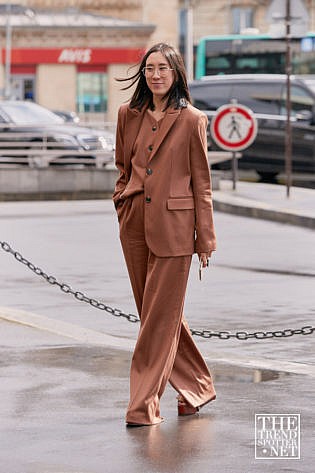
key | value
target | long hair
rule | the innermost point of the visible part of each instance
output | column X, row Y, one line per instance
column 177, row 96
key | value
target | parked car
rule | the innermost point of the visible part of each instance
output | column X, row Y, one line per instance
column 266, row 96
column 48, row 139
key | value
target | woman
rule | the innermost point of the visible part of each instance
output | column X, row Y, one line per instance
column 164, row 207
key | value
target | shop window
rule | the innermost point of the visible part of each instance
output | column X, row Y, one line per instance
column 242, row 18
column 92, row 92
column 22, row 87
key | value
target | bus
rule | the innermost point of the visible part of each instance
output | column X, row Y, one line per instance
column 253, row 54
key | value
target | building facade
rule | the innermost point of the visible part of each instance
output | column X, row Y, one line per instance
column 233, row 16
column 68, row 59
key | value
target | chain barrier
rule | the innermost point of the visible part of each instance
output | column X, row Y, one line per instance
column 80, row 296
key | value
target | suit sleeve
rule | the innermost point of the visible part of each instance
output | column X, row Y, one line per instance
column 205, row 239
column 119, row 159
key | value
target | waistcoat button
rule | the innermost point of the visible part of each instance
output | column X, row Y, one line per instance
column 154, row 128
column 150, row 148
column 149, row 171
column 148, row 199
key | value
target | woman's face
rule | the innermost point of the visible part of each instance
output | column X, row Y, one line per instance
column 158, row 75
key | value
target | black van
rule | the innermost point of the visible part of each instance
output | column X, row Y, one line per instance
column 266, row 96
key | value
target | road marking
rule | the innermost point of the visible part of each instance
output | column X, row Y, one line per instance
column 64, row 329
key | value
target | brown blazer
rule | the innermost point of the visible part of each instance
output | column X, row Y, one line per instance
column 178, row 204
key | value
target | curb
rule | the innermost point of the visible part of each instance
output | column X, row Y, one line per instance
column 263, row 364
column 263, row 212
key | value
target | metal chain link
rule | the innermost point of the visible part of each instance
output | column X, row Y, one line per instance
column 80, row 296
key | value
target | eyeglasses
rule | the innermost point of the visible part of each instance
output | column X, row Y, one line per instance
column 162, row 71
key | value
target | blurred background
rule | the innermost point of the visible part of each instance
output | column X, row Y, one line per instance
column 66, row 54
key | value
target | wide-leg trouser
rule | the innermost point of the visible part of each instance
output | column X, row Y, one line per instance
column 165, row 350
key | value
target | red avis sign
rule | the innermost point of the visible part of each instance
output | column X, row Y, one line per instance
column 75, row 56
column 234, row 127
column 81, row 56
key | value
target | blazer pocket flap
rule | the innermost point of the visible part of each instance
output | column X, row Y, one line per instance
column 180, row 203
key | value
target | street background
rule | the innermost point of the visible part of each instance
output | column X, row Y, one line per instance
column 63, row 401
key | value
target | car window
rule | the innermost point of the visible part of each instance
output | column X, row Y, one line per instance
column 300, row 100
column 258, row 96
column 210, row 96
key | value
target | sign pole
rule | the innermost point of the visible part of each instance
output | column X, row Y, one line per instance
column 234, row 169
column 189, row 41
column 288, row 134
column 8, row 46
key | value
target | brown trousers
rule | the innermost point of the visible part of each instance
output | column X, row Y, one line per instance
column 165, row 350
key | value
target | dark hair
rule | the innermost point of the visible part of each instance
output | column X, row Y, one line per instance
column 177, row 96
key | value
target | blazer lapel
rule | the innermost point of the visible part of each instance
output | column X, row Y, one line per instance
column 166, row 125
column 133, row 121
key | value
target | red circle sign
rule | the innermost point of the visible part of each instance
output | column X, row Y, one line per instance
column 234, row 127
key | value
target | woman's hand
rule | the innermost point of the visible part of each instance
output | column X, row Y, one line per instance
column 203, row 257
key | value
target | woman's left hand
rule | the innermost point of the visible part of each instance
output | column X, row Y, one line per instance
column 204, row 258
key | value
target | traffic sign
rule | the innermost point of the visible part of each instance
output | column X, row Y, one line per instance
column 234, row 127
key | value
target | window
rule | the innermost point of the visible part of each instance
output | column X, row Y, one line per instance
column 300, row 100
column 211, row 96
column 92, row 92
column 241, row 18
column 261, row 97
column 23, row 87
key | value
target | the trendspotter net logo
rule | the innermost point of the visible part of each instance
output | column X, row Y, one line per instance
column 277, row 436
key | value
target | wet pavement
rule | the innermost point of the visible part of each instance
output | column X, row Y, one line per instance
column 64, row 365
column 63, row 404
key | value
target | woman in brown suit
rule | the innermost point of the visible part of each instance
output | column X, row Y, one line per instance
column 164, row 207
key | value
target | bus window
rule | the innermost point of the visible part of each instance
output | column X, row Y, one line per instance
column 303, row 63
column 219, row 64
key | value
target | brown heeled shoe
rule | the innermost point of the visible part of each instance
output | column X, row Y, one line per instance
column 184, row 408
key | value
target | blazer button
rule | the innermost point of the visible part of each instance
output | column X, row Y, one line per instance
column 150, row 148
column 149, row 171
column 148, row 199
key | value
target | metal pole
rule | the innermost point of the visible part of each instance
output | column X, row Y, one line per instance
column 189, row 43
column 234, row 159
column 7, row 87
column 234, row 169
column 288, row 135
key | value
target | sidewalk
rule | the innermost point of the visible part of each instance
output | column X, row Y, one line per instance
column 250, row 199
column 267, row 201
column 63, row 404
